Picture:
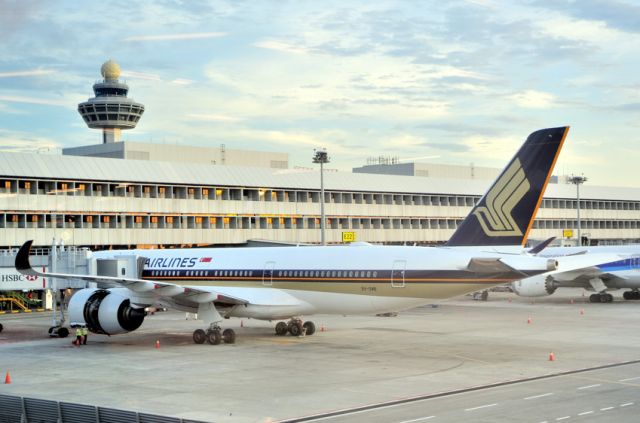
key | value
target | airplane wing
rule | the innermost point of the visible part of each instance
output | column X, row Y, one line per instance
column 196, row 294
column 584, row 267
column 492, row 265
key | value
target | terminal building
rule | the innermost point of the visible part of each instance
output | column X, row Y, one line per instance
column 121, row 194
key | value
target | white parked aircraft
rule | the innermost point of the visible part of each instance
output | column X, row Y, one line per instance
column 620, row 273
column 280, row 283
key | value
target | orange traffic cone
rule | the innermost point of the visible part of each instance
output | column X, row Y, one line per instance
column 7, row 379
column 322, row 329
column 552, row 357
column 158, row 344
column 529, row 320
column 582, row 311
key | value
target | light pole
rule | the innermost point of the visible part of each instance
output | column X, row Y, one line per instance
column 578, row 180
column 321, row 157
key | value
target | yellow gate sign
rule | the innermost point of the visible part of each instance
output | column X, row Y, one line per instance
column 567, row 233
column 348, row 236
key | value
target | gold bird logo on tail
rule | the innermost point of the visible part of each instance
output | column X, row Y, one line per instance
column 495, row 216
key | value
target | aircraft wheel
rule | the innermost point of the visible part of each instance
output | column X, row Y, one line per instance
column 281, row 328
column 214, row 337
column 229, row 336
column 295, row 328
column 63, row 332
column 608, row 298
column 52, row 328
column 310, row 328
column 199, row 336
column 594, row 298
column 1, row 327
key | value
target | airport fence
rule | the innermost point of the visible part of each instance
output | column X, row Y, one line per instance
column 15, row 409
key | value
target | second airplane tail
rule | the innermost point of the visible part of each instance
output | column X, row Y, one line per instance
column 505, row 214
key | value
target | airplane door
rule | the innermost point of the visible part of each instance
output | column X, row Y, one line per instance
column 397, row 273
column 267, row 273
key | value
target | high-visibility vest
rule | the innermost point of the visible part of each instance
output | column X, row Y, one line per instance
column 85, row 331
column 78, row 331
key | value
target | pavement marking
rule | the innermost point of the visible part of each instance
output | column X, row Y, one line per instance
column 481, row 406
column 426, row 397
column 607, row 408
column 563, row 418
column 538, row 396
column 585, row 413
column 629, row 378
column 417, row 420
column 472, row 359
column 626, row 404
column 590, row 386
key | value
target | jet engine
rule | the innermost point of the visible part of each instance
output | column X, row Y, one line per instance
column 535, row 286
column 105, row 311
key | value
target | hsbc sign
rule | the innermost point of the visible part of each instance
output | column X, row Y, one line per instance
column 12, row 280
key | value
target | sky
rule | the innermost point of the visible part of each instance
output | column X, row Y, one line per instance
column 454, row 82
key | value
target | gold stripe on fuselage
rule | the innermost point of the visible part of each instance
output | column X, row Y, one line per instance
column 436, row 288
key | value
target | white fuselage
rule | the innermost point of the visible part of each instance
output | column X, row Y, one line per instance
column 357, row 279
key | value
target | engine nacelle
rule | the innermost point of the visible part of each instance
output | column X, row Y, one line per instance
column 105, row 311
column 535, row 286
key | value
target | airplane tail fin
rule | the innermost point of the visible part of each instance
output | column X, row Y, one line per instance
column 505, row 214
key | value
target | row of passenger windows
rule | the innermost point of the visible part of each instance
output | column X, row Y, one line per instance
column 123, row 189
column 327, row 274
column 280, row 273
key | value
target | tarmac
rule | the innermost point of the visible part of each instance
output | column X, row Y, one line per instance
column 355, row 361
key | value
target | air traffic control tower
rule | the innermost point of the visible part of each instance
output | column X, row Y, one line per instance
column 111, row 110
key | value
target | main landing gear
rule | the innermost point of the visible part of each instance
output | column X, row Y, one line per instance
column 214, row 335
column 295, row 327
column 631, row 295
column 601, row 297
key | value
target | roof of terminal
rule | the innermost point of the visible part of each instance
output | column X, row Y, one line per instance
column 58, row 167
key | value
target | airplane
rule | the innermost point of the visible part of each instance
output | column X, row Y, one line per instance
column 617, row 266
column 616, row 274
column 280, row 283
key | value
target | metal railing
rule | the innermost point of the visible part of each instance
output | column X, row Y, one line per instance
column 24, row 410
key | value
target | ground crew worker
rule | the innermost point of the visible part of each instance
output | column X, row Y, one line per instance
column 85, row 333
column 79, row 333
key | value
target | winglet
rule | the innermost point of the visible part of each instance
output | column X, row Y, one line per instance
column 505, row 214
column 22, row 259
column 544, row 244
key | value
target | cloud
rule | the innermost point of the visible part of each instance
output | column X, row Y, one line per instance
column 35, row 100
column 621, row 15
column 281, row 46
column 20, row 142
column 141, row 75
column 176, row 37
column 25, row 73
column 182, row 81
column 533, row 99
column 449, row 146
column 211, row 118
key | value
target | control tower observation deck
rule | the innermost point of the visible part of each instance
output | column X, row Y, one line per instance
column 111, row 110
